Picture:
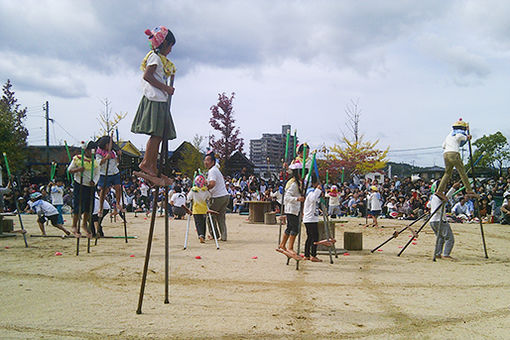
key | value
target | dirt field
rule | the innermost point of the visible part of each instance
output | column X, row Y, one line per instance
column 227, row 294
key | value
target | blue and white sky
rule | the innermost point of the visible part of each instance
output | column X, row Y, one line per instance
column 415, row 66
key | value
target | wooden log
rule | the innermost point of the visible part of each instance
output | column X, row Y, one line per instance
column 353, row 240
column 7, row 225
column 270, row 218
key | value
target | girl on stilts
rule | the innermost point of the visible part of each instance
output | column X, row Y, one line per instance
column 292, row 205
column 106, row 155
column 153, row 116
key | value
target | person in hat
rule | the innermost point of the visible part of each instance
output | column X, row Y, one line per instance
column 153, row 116
column 199, row 196
column 82, row 189
column 505, row 208
column 292, row 204
column 451, row 154
column 334, row 202
column 374, row 204
column 45, row 211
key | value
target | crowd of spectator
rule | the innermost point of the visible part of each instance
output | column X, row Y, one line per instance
column 401, row 198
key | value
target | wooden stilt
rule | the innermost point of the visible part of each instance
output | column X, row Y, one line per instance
column 163, row 157
column 477, row 205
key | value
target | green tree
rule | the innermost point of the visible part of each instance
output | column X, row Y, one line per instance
column 13, row 134
column 495, row 150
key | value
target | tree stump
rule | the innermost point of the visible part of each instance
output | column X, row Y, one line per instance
column 353, row 240
column 7, row 225
column 270, row 218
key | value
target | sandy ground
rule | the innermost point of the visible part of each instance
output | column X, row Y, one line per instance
column 227, row 294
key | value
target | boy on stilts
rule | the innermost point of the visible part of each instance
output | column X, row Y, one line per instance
column 451, row 154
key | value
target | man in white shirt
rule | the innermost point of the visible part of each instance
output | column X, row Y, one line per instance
column 219, row 194
column 451, row 154
column 440, row 226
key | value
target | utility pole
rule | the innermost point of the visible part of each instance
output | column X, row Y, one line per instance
column 47, row 117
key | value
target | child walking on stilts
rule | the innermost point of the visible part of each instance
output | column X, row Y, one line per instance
column 153, row 116
column 311, row 221
column 292, row 205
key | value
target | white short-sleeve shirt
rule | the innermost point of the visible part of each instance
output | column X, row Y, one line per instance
column 150, row 92
column 219, row 189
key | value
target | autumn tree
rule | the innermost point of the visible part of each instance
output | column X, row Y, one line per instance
column 359, row 157
column 108, row 121
column 495, row 150
column 222, row 120
column 13, row 134
column 354, row 154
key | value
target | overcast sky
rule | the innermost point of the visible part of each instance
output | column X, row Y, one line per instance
column 414, row 66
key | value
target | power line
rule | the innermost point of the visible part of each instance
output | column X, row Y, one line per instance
column 415, row 149
column 66, row 131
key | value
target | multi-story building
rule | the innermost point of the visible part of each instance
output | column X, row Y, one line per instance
column 268, row 152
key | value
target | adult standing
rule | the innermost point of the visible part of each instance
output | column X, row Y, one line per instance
column 219, row 194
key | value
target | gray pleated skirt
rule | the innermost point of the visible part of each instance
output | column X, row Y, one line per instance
column 153, row 118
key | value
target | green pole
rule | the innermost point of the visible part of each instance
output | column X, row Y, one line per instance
column 294, row 149
column 69, row 157
column 53, row 170
column 7, row 166
column 287, row 146
column 342, row 179
column 304, row 162
column 327, row 177
column 311, row 168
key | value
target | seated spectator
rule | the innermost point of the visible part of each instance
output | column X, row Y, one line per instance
column 505, row 208
column 461, row 210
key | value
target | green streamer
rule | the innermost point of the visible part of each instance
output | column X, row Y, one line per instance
column 287, row 146
column 294, row 149
column 304, row 162
column 7, row 166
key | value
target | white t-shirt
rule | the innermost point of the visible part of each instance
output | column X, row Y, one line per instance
column 374, row 201
column 57, row 195
column 179, row 199
column 144, row 189
column 150, row 92
column 112, row 163
column 219, row 189
column 106, row 206
column 41, row 207
column 453, row 142
column 434, row 204
column 310, row 213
